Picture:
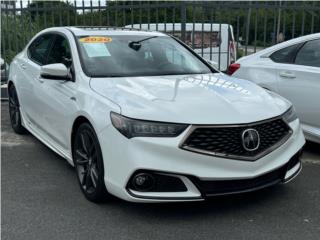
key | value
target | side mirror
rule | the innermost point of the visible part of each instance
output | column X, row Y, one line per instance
column 56, row 71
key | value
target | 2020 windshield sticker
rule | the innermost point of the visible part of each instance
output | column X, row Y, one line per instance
column 97, row 39
column 96, row 49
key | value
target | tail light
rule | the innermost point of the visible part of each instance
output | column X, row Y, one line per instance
column 232, row 50
column 233, row 68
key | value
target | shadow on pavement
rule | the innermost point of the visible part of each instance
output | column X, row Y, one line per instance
column 312, row 147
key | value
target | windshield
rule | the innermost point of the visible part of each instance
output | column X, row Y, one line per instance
column 130, row 55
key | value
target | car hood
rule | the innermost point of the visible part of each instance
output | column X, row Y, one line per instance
column 195, row 99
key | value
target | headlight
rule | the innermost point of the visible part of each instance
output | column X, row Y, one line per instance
column 290, row 115
column 140, row 128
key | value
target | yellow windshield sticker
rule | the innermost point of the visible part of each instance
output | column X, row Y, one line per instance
column 95, row 39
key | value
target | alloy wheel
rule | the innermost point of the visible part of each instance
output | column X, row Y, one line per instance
column 86, row 161
column 14, row 110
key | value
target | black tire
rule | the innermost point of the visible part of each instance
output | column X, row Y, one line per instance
column 88, row 161
column 14, row 111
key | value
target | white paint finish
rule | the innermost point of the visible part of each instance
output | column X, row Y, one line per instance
column 194, row 99
column 49, row 109
column 299, row 84
column 163, row 154
column 55, row 70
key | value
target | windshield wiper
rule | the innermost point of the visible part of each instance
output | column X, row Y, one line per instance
column 136, row 45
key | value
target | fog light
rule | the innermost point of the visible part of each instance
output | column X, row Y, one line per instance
column 143, row 182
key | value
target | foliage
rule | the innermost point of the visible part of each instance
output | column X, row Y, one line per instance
column 17, row 29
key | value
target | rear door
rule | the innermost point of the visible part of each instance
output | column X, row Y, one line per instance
column 299, row 82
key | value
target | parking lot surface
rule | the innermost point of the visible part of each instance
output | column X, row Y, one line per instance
column 41, row 199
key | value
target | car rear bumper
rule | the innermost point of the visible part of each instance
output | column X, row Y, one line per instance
column 202, row 175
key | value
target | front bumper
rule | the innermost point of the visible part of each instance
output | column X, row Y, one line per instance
column 123, row 157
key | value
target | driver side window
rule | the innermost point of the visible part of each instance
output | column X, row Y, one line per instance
column 60, row 52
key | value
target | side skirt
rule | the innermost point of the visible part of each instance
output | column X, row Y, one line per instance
column 49, row 143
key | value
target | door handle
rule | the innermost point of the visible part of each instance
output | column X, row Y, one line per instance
column 287, row 74
column 23, row 66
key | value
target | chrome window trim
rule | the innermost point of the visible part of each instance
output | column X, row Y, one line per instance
column 231, row 156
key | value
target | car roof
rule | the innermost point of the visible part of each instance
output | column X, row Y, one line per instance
column 103, row 30
column 288, row 43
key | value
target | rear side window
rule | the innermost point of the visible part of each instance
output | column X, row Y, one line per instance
column 309, row 54
column 39, row 48
column 285, row 55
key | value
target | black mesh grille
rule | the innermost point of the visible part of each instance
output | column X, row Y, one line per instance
column 227, row 141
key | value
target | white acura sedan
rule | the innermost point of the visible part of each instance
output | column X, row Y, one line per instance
column 144, row 118
column 291, row 69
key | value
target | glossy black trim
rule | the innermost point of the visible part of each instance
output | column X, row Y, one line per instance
column 282, row 170
column 235, row 157
column 245, row 190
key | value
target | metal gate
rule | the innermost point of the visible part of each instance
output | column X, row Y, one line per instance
column 255, row 24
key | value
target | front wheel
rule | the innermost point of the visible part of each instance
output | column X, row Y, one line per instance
column 14, row 111
column 88, row 162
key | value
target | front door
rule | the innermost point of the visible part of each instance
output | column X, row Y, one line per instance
column 55, row 97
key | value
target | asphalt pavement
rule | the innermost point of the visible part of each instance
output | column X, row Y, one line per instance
column 41, row 199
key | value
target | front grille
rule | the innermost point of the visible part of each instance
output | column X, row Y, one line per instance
column 226, row 141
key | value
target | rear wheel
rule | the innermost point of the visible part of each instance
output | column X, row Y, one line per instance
column 88, row 162
column 14, row 111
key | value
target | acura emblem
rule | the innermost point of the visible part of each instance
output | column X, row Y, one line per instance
column 250, row 139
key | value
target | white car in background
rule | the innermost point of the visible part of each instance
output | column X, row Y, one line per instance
column 291, row 69
column 144, row 118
